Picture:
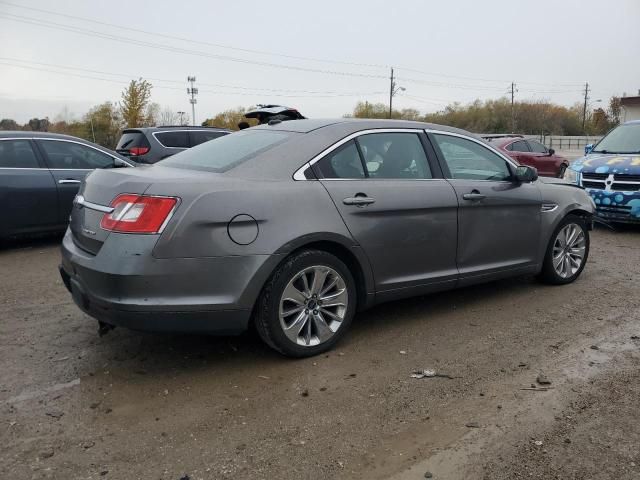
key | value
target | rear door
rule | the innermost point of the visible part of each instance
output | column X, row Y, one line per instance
column 27, row 189
column 70, row 162
column 498, row 218
column 396, row 207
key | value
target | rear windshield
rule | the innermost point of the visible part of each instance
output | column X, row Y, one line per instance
column 128, row 140
column 228, row 151
column 201, row 136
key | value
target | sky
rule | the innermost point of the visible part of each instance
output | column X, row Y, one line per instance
column 58, row 59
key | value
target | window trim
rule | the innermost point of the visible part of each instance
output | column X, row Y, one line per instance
column 510, row 163
column 299, row 174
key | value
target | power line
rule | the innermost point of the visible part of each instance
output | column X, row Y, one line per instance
column 197, row 42
column 179, row 82
column 214, row 92
column 133, row 41
column 259, row 52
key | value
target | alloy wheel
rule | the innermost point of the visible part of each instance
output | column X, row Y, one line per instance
column 569, row 250
column 313, row 305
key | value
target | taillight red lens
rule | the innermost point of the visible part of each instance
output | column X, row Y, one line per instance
column 138, row 150
column 138, row 213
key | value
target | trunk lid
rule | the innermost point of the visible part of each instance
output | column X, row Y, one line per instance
column 102, row 186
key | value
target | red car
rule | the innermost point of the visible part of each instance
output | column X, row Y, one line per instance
column 527, row 151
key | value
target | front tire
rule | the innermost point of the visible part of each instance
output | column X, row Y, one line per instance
column 567, row 252
column 307, row 305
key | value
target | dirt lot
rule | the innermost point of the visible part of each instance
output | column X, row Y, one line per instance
column 132, row 405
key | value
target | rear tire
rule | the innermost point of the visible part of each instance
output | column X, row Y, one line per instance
column 307, row 305
column 567, row 252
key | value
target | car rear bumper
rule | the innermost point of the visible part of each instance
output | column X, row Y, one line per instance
column 124, row 285
column 615, row 206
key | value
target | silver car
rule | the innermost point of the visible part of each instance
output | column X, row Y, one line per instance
column 297, row 225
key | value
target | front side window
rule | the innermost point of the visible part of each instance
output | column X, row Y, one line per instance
column 469, row 160
column 178, row 139
column 519, row 146
column 537, row 147
column 17, row 154
column 394, row 155
column 69, row 155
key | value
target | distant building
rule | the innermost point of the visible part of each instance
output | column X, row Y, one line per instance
column 630, row 108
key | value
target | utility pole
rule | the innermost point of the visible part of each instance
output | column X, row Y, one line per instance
column 181, row 114
column 193, row 92
column 393, row 89
column 584, row 110
column 513, row 113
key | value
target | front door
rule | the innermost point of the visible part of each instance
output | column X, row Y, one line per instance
column 70, row 162
column 405, row 219
column 498, row 218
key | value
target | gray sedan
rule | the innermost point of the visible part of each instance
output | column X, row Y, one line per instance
column 295, row 226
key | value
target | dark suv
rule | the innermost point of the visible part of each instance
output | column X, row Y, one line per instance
column 152, row 144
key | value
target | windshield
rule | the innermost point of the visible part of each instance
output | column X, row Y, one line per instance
column 622, row 139
column 228, row 151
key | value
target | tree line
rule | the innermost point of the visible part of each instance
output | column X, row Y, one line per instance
column 104, row 123
column 497, row 116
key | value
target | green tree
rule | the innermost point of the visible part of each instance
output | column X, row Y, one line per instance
column 103, row 123
column 380, row 110
column 135, row 102
column 230, row 119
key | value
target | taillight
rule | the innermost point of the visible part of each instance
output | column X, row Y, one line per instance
column 136, row 151
column 138, row 213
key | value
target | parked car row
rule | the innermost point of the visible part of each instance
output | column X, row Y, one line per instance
column 296, row 226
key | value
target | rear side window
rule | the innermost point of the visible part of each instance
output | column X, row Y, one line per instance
column 228, row 151
column 344, row 162
column 198, row 137
column 17, row 154
column 179, row 139
column 519, row 146
column 537, row 147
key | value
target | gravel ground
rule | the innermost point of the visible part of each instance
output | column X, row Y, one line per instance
column 133, row 405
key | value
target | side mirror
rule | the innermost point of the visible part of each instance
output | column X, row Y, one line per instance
column 525, row 173
column 552, row 152
column 588, row 148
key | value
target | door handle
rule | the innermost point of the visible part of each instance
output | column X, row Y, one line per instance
column 68, row 181
column 474, row 196
column 359, row 201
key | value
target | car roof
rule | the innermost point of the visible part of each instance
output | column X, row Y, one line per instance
column 57, row 136
column 174, row 127
column 353, row 125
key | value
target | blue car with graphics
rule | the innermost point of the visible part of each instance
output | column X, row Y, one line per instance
column 610, row 173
